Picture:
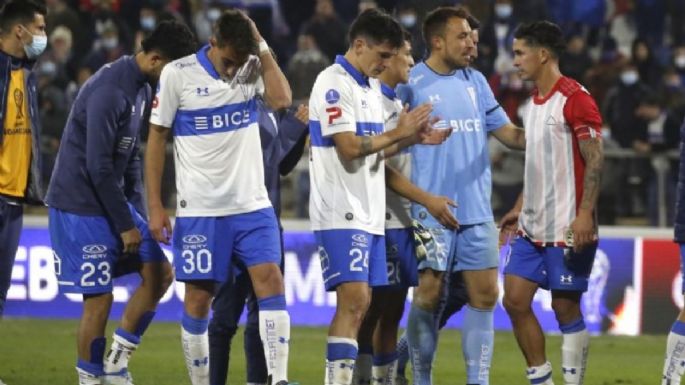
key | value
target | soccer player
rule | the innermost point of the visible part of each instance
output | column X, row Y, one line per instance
column 460, row 169
column 377, row 359
column 674, row 364
column 558, row 218
column 283, row 136
column 22, row 40
column 223, row 207
column 96, row 220
column 454, row 295
column 348, row 175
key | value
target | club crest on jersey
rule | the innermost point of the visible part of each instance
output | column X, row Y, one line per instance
column 332, row 96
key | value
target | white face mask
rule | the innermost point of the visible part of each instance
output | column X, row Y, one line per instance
column 408, row 20
column 679, row 61
column 213, row 14
column 629, row 77
column 110, row 42
column 503, row 11
column 36, row 46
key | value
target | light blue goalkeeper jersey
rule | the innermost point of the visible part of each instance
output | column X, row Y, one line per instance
column 460, row 167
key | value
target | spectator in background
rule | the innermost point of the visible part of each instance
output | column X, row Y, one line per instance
column 604, row 74
column 328, row 29
column 650, row 17
column 643, row 57
column 61, row 15
column 102, row 18
column 620, row 110
column 305, row 66
column 109, row 48
column 409, row 18
column 576, row 61
column 498, row 36
column 672, row 90
column 58, row 60
column 678, row 59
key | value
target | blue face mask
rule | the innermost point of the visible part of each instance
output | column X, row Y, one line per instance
column 36, row 47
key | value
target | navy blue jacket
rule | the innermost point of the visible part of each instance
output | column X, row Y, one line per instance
column 34, row 193
column 679, row 223
column 98, row 165
column 283, row 137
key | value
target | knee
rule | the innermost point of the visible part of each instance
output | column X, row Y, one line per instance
column 485, row 298
column 218, row 328
column 356, row 308
column 427, row 296
column 267, row 280
column 515, row 306
column 167, row 278
column 565, row 311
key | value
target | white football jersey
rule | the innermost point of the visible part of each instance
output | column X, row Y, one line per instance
column 345, row 194
column 218, row 155
column 398, row 213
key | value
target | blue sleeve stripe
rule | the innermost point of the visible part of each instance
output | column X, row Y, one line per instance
column 212, row 120
column 363, row 129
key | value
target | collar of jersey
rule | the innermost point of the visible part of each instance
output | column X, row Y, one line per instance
column 388, row 92
column 205, row 63
column 358, row 76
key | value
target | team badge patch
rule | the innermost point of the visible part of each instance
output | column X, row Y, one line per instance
column 332, row 96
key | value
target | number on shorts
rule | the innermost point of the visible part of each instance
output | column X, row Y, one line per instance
column 360, row 261
column 105, row 274
column 200, row 261
column 393, row 273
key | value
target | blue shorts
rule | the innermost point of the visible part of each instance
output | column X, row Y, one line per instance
column 552, row 268
column 471, row 247
column 402, row 266
column 87, row 251
column 203, row 246
column 348, row 255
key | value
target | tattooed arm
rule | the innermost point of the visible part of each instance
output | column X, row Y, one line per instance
column 351, row 146
column 583, row 226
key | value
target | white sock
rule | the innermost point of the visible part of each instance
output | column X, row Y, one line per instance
column 196, row 352
column 117, row 358
column 274, row 329
column 674, row 364
column 339, row 371
column 362, row 369
column 255, row 383
column 574, row 351
column 384, row 374
column 85, row 378
column 542, row 373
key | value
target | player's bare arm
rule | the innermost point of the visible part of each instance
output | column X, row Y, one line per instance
column 159, row 224
column 350, row 146
column 277, row 92
column 583, row 226
column 511, row 136
column 426, row 135
column 437, row 206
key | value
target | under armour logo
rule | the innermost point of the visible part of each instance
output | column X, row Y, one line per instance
column 202, row 91
column 202, row 362
column 282, row 340
column 377, row 380
column 434, row 98
column 531, row 371
column 344, row 365
column 568, row 370
column 567, row 279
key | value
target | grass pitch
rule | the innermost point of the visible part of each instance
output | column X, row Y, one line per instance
column 43, row 352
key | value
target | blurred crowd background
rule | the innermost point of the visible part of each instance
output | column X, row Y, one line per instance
column 630, row 54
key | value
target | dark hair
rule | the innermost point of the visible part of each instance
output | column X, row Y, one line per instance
column 172, row 39
column 406, row 36
column 378, row 27
column 436, row 20
column 542, row 34
column 19, row 12
column 234, row 29
column 473, row 22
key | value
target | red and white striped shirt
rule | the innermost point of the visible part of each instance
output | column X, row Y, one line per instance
column 554, row 168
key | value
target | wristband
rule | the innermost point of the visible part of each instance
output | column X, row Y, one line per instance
column 263, row 47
